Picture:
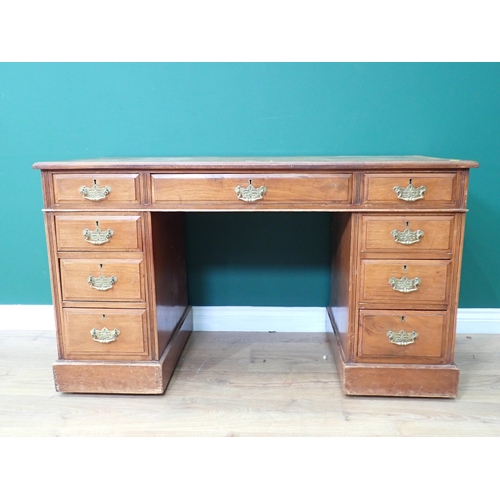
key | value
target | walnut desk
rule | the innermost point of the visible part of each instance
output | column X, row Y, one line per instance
column 116, row 248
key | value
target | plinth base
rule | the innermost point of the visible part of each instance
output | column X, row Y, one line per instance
column 370, row 379
column 127, row 377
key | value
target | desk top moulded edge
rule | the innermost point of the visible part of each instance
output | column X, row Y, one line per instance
column 313, row 163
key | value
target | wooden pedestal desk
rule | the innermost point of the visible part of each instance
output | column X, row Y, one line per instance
column 116, row 247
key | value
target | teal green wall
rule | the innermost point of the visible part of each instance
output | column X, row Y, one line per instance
column 70, row 111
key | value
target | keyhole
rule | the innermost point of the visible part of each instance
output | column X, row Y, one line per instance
column 407, row 224
column 410, row 180
column 103, row 316
column 100, row 266
column 96, row 223
column 95, row 181
column 250, row 181
column 402, row 318
column 404, row 268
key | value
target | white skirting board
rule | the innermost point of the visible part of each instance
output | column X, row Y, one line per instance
column 243, row 319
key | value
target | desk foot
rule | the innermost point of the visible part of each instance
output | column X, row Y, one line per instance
column 370, row 379
column 124, row 377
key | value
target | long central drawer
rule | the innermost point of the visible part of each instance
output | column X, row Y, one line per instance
column 238, row 189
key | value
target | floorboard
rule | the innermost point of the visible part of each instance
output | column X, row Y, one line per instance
column 244, row 384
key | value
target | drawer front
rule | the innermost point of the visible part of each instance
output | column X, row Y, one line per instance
column 261, row 189
column 402, row 336
column 409, row 234
column 411, row 189
column 405, row 283
column 96, row 190
column 89, row 333
column 102, row 280
column 98, row 232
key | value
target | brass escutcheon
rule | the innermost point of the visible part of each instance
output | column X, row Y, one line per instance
column 250, row 193
column 104, row 336
column 405, row 284
column 402, row 337
column 101, row 282
column 97, row 236
column 407, row 237
column 410, row 192
column 95, row 193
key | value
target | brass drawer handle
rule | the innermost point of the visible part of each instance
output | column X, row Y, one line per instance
column 405, row 284
column 250, row 193
column 410, row 192
column 402, row 337
column 98, row 236
column 101, row 282
column 407, row 237
column 95, row 193
column 104, row 336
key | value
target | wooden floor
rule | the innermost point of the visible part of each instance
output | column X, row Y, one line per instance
column 244, row 384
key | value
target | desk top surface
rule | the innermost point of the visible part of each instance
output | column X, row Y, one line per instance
column 261, row 162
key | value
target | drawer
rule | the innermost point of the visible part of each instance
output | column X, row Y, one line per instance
column 96, row 190
column 402, row 336
column 241, row 190
column 102, row 279
column 409, row 234
column 411, row 189
column 105, row 334
column 98, row 232
column 405, row 283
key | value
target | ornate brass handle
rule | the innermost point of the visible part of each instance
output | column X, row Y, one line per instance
column 98, row 236
column 410, row 192
column 101, row 282
column 104, row 336
column 407, row 237
column 250, row 193
column 405, row 284
column 402, row 337
column 95, row 193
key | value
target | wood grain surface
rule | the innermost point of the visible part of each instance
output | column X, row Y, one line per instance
column 244, row 384
column 126, row 236
column 441, row 188
column 365, row 273
column 124, row 189
column 256, row 162
column 220, row 188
